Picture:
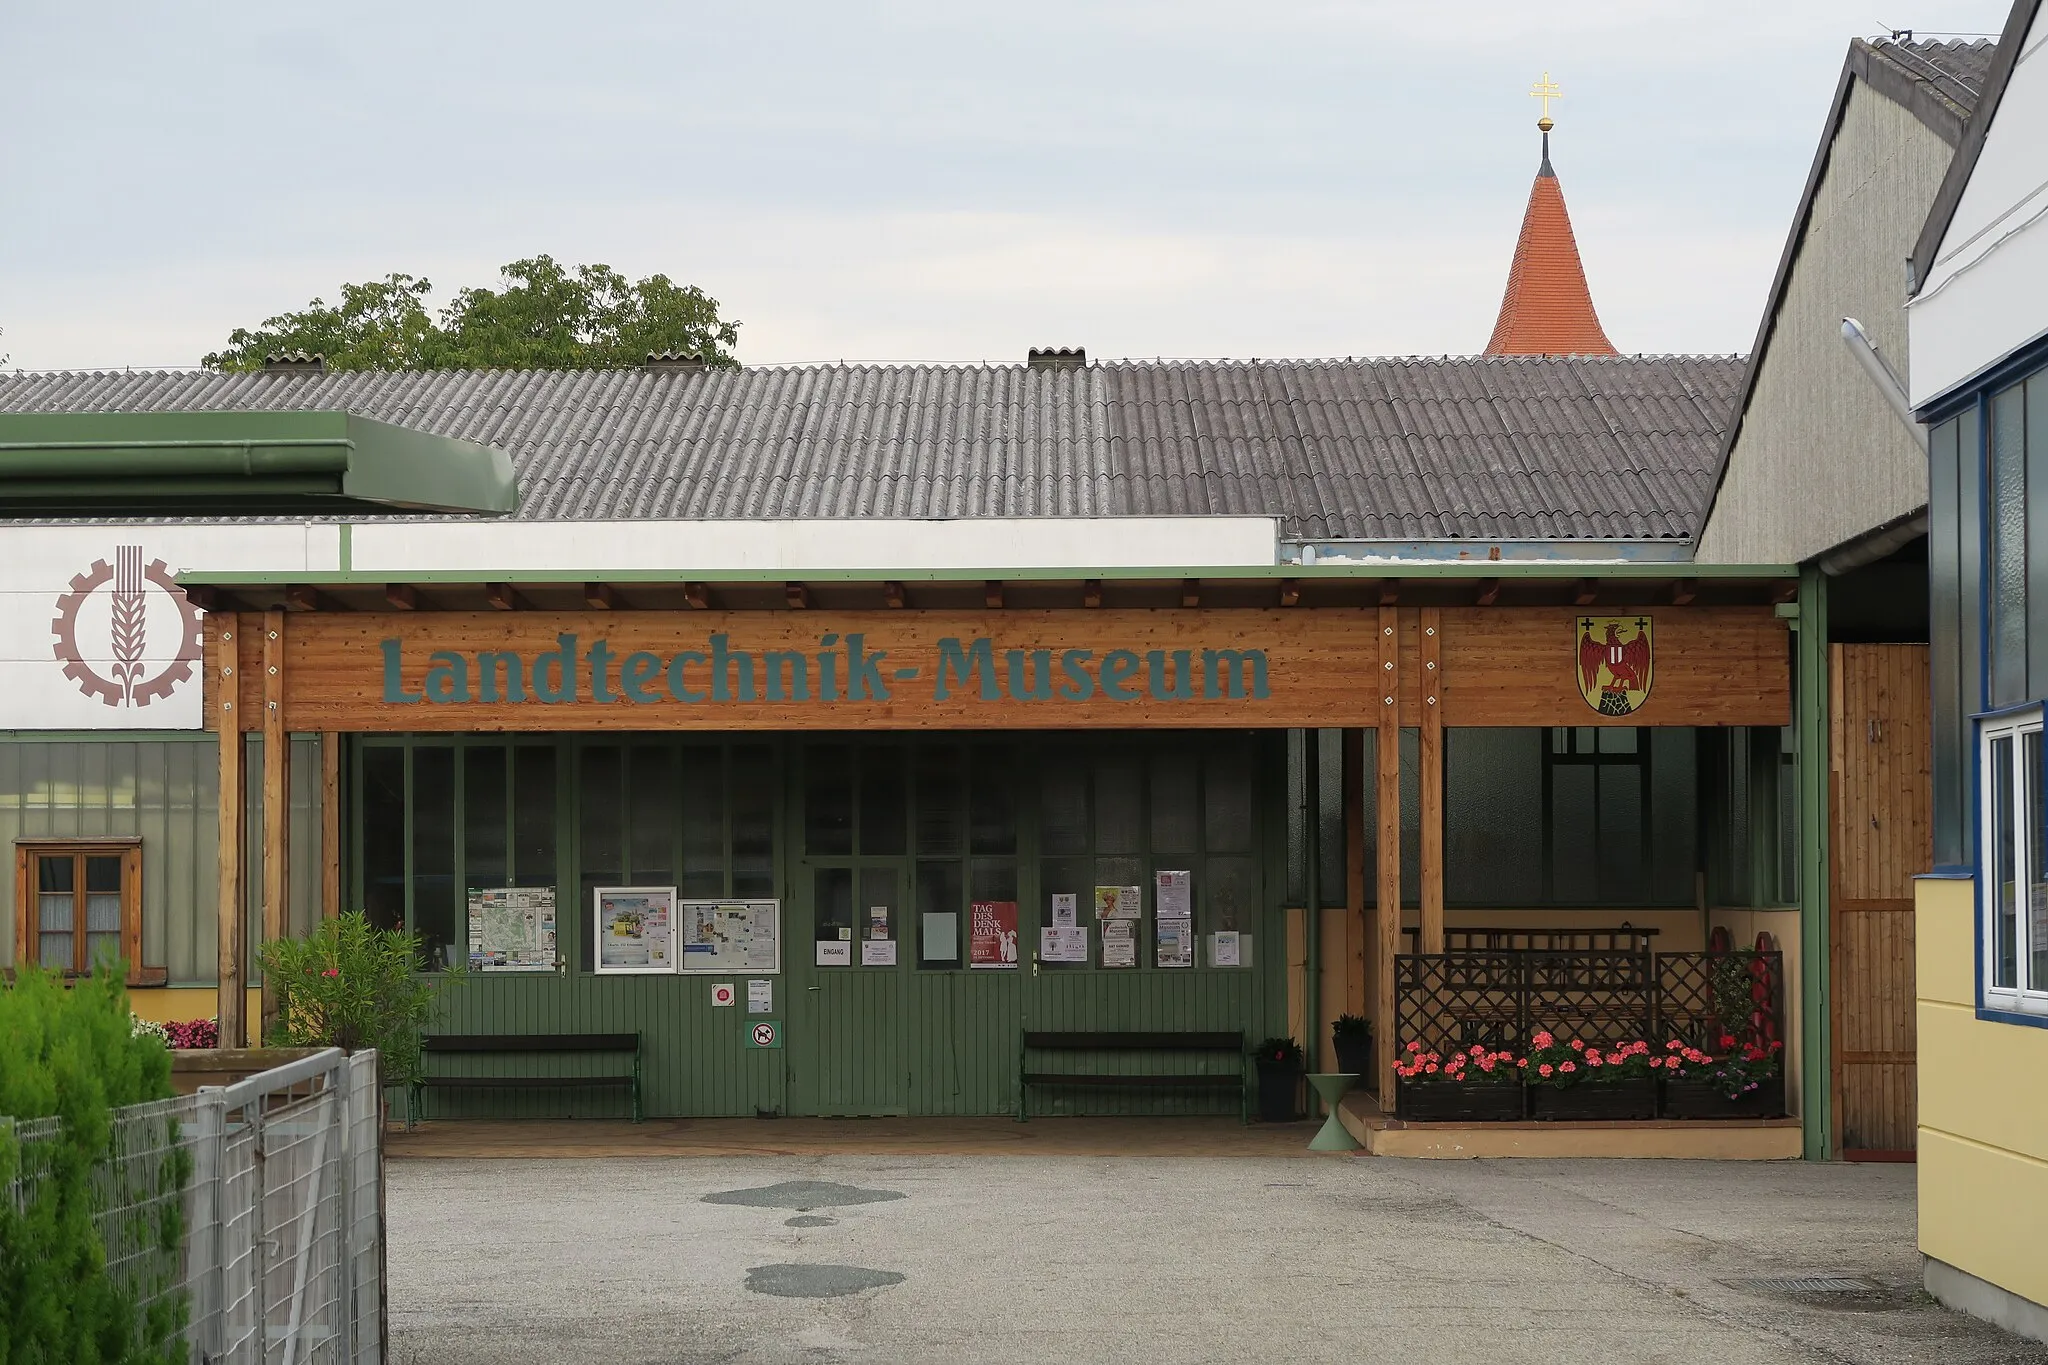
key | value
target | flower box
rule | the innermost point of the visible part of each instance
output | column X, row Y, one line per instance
column 1691, row 1099
column 1595, row 1101
column 1457, row 1102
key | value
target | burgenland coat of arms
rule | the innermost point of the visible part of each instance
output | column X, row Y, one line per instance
column 108, row 622
column 1614, row 662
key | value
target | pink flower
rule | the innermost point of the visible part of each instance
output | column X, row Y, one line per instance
column 1542, row 1039
column 1568, row 1067
column 332, row 971
column 1544, row 1070
column 1593, row 1059
column 1523, row 1063
column 1431, row 1068
column 1476, row 1050
column 1417, row 1047
column 1673, row 1046
column 1578, row 1045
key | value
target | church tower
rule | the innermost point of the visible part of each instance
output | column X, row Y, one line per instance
column 1547, row 309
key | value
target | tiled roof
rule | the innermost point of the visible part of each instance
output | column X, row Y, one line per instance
column 1547, row 309
column 1478, row 447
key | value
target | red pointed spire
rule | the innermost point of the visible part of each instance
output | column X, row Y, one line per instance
column 1547, row 309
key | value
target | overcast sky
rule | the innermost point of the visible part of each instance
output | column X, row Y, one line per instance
column 937, row 180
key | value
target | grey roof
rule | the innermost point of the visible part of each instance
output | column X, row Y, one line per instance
column 1495, row 447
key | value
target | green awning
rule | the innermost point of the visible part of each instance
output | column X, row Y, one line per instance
column 204, row 464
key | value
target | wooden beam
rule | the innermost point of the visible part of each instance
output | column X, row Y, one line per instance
column 1190, row 592
column 1091, row 592
column 505, row 597
column 992, row 595
column 797, row 596
column 1431, row 753
column 203, row 596
column 1390, row 591
column 1489, row 592
column 302, row 597
column 1386, row 1035
column 695, row 597
column 277, row 804
column 402, row 596
column 330, row 825
column 892, row 596
column 1585, row 593
column 1290, row 592
column 600, row 596
column 229, row 1007
column 1683, row 591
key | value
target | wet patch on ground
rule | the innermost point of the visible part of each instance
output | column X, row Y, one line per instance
column 810, row 1220
column 802, row 1196
column 789, row 1281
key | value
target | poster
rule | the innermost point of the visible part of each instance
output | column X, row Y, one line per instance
column 878, row 921
column 878, row 952
column 835, row 952
column 1120, row 943
column 1174, row 943
column 1223, row 949
column 1173, row 895
column 760, row 997
column 1063, row 943
column 992, row 934
column 635, row 928
column 1065, row 909
column 731, row 936
column 1118, row 902
column 512, row 929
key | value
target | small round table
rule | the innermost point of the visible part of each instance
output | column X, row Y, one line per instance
column 1330, row 1087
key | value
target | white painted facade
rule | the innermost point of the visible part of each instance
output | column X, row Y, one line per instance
column 1983, row 296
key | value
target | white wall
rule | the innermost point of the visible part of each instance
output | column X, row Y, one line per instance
column 1986, row 294
column 997, row 545
column 58, row 590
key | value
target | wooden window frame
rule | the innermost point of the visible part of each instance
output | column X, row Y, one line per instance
column 27, row 921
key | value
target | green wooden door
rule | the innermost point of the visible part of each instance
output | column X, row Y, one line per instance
column 842, row 1044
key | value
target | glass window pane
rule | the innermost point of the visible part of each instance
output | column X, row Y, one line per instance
column 832, row 908
column 433, row 850
column 939, row 905
column 102, row 948
column 1063, row 824
column 703, row 797
column 2008, row 548
column 753, row 821
column 1330, row 776
column 383, row 889
column 994, row 879
column 878, row 891
column 992, row 806
column 56, row 873
column 1176, row 802
column 2037, row 866
column 651, row 814
column 2004, row 869
column 1296, row 890
column 828, row 799
column 54, row 951
column 103, row 872
column 884, row 801
column 1622, row 855
column 1227, row 799
column 1574, row 870
column 1619, row 739
column 483, row 815
column 533, row 815
column 941, row 800
column 599, row 811
column 1493, row 817
column 1674, row 813
column 1119, row 805
column 103, row 912
column 1231, row 899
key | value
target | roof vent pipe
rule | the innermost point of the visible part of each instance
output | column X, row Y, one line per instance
column 675, row 362
column 1045, row 358
column 1865, row 350
column 294, row 362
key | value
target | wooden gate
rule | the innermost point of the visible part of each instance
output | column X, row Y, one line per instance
column 1882, row 838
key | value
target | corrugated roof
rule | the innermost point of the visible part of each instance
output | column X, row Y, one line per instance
column 1460, row 447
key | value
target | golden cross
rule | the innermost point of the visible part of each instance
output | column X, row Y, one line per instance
column 1545, row 90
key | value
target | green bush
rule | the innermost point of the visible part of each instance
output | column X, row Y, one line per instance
column 352, row 986
column 70, row 1053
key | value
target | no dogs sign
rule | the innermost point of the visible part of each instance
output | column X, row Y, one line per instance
column 765, row 1033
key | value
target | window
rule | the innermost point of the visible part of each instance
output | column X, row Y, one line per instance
column 2015, row 865
column 79, row 904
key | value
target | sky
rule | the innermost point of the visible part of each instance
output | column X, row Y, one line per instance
column 931, row 180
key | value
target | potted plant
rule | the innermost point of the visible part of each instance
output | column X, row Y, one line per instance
column 1745, row 1082
column 1577, row 1080
column 1351, row 1040
column 1477, row 1085
column 1279, row 1063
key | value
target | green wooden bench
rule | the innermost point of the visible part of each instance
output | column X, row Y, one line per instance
column 1214, row 1041
column 436, row 1045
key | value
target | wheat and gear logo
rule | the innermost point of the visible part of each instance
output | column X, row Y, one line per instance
column 108, row 621
column 1614, row 664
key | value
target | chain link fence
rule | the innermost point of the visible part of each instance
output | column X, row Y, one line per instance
column 281, row 1261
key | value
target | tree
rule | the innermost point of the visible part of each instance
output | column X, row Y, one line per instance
column 541, row 316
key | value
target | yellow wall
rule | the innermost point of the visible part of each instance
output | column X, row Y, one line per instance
column 168, row 1004
column 1983, row 1114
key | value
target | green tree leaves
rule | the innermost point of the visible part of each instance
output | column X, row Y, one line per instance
column 541, row 316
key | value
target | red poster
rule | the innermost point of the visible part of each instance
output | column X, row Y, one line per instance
column 992, row 934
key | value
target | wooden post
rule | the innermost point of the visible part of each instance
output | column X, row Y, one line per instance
column 277, row 803
column 1389, row 775
column 1431, row 765
column 330, row 825
column 230, row 1006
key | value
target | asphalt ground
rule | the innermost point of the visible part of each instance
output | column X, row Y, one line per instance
column 937, row 1258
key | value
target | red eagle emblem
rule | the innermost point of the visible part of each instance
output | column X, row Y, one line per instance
column 1614, row 663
